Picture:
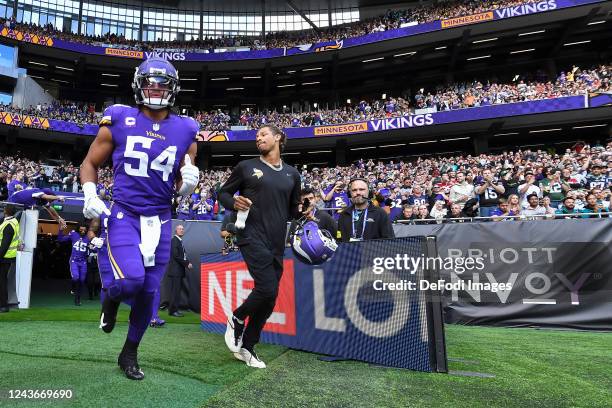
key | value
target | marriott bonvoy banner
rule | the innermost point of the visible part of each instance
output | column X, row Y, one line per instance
column 499, row 14
column 377, row 125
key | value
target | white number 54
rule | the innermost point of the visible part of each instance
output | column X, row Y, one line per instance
column 168, row 156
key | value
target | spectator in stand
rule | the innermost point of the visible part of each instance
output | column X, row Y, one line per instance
column 528, row 188
column 547, row 204
column 568, row 209
column 423, row 214
column 502, row 212
column 489, row 191
column 462, row 191
column 438, row 211
column 514, row 204
column 593, row 206
column 456, row 211
column 533, row 208
column 406, row 216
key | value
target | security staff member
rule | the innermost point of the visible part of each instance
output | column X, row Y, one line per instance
column 362, row 220
column 9, row 241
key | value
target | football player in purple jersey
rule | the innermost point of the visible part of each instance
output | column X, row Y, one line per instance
column 152, row 149
column 78, row 259
column 34, row 197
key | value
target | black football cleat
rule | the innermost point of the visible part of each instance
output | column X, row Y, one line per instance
column 108, row 317
column 128, row 362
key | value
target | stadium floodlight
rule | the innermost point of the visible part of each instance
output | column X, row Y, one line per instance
column 290, row 153
column 64, row 68
column 111, row 85
column 403, row 54
column 372, row 59
column 59, row 80
column 478, row 58
column 384, row 96
column 485, row 40
column 363, row 148
column 234, row 89
column 597, row 22
column 454, row 139
column 285, row 86
column 348, row 101
column 311, row 83
column 220, row 79
column 443, row 47
column 424, row 142
column 522, row 51
column 505, row 134
column 251, row 77
column 116, row 75
column 291, row 72
column 316, row 105
column 393, row 145
column 187, row 90
column 590, row 126
column 312, row 69
column 183, row 79
column 576, row 43
column 532, row 33
column 320, row 151
column 545, row 130
column 221, row 155
column 42, row 64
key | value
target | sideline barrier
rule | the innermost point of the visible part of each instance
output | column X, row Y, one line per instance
column 334, row 309
column 580, row 258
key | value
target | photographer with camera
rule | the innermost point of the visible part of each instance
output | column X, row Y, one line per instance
column 308, row 209
column 228, row 232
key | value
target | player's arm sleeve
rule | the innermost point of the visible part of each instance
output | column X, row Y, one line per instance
column 294, row 200
column 107, row 116
column 233, row 183
column 61, row 237
column 7, row 237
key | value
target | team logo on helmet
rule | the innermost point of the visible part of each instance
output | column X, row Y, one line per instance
column 156, row 84
column 312, row 245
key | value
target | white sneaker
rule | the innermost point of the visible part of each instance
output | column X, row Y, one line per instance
column 250, row 358
column 233, row 335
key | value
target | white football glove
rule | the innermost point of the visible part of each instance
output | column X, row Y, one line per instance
column 93, row 206
column 190, row 175
column 97, row 242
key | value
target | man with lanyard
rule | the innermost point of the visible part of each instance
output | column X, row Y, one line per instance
column 362, row 220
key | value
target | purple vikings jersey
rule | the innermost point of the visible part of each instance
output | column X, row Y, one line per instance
column 201, row 213
column 79, row 245
column 146, row 157
column 338, row 200
column 31, row 197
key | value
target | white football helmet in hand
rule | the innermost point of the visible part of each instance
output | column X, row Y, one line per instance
column 190, row 175
column 93, row 205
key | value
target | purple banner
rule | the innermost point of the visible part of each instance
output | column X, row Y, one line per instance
column 499, row 14
column 378, row 125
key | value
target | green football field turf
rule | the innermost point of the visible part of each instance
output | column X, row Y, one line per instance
column 57, row 346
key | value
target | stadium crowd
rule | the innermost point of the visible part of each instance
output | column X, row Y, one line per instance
column 392, row 19
column 520, row 184
column 574, row 81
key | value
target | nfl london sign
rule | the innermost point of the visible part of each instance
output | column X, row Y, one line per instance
column 334, row 308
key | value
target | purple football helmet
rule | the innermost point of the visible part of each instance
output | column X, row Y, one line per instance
column 156, row 83
column 311, row 245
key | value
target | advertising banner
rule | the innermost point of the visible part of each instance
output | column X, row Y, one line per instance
column 499, row 14
column 555, row 273
column 335, row 308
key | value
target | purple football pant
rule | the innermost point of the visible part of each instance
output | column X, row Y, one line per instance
column 78, row 271
column 131, row 279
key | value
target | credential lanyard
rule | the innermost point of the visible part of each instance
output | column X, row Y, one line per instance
column 365, row 218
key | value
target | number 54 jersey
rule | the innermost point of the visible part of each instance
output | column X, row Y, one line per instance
column 146, row 157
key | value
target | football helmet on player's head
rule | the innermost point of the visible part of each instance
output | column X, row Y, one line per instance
column 312, row 245
column 156, row 83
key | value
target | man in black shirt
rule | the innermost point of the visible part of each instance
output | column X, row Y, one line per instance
column 270, row 196
column 362, row 220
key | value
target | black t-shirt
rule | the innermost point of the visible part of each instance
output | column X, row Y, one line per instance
column 275, row 194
